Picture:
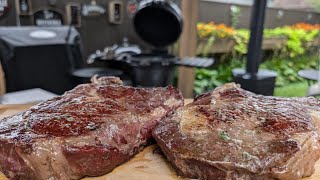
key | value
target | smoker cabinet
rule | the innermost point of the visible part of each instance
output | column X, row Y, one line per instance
column 40, row 57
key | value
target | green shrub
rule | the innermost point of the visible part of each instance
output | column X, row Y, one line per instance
column 207, row 79
column 287, row 69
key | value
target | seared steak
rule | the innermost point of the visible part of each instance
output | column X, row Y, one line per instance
column 88, row 131
column 235, row 134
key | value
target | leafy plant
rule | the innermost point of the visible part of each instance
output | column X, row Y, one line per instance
column 296, row 39
column 291, row 59
column 208, row 46
column 235, row 12
column 207, row 79
column 287, row 69
column 242, row 39
column 297, row 35
column 212, row 31
column 206, row 30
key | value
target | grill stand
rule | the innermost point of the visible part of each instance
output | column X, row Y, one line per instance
column 260, row 82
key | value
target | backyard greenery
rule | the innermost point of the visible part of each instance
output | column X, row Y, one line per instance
column 298, row 53
column 292, row 90
column 298, row 37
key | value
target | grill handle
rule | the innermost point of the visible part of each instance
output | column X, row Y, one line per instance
column 195, row 62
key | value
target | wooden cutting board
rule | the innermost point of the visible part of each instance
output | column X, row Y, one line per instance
column 148, row 164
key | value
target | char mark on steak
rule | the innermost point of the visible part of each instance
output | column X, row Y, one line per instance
column 231, row 133
column 88, row 131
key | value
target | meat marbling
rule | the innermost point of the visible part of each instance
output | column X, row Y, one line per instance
column 88, row 131
column 234, row 134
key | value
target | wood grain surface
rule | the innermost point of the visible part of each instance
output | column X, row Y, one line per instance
column 148, row 164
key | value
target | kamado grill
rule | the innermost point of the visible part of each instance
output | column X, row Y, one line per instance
column 158, row 23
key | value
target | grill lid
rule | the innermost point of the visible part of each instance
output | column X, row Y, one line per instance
column 158, row 22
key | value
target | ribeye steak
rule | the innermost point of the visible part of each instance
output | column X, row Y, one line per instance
column 231, row 133
column 85, row 132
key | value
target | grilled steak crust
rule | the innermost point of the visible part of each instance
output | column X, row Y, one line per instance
column 235, row 134
column 88, row 131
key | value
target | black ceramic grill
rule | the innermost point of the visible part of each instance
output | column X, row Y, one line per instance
column 158, row 23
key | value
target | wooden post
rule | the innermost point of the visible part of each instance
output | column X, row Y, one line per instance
column 2, row 81
column 188, row 45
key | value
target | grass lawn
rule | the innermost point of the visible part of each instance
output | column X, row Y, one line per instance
column 292, row 90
